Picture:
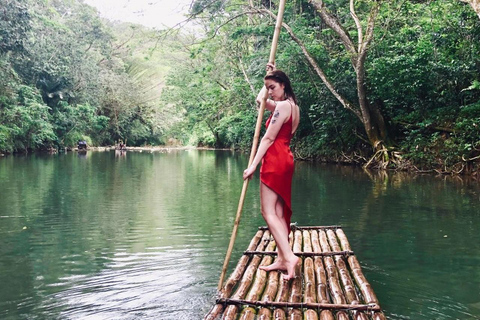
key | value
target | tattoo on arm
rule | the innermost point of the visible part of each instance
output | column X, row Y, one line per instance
column 275, row 116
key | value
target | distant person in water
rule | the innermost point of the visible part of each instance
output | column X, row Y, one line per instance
column 121, row 145
column 277, row 165
column 82, row 145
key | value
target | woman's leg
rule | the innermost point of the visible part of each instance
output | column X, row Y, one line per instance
column 279, row 212
column 272, row 211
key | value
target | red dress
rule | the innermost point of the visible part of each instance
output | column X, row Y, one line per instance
column 277, row 167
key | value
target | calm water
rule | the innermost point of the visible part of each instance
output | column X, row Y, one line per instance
column 143, row 236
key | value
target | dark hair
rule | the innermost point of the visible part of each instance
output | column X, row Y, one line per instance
column 280, row 77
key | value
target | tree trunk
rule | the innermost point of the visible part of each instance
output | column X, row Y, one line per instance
column 218, row 141
column 372, row 119
column 367, row 113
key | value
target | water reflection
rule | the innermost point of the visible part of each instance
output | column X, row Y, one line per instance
column 144, row 236
column 82, row 154
column 120, row 153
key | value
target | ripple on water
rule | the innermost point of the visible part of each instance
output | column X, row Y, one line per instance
column 145, row 284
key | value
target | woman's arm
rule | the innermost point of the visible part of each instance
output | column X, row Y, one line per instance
column 280, row 115
column 270, row 104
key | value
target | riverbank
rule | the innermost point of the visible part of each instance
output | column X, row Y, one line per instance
column 112, row 148
column 151, row 148
column 469, row 167
column 139, row 149
column 395, row 161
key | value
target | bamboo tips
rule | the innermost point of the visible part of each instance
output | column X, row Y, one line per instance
column 329, row 284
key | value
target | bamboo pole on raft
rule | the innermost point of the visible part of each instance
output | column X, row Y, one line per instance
column 257, row 286
column 273, row 50
column 246, row 281
column 235, row 277
column 295, row 295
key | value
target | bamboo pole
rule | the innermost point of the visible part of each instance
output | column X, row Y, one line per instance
column 327, row 306
column 248, row 313
column 258, row 285
column 342, row 315
column 343, row 240
column 320, row 274
column 361, row 281
column 296, row 290
column 334, row 284
column 308, row 271
column 346, row 246
column 302, row 254
column 270, row 290
column 322, row 237
column 242, row 289
column 260, row 276
column 271, row 59
column 269, row 295
column 241, row 266
column 282, row 294
column 235, row 276
column 307, row 227
column 326, row 315
column 348, row 285
column 310, row 314
column 335, row 287
column 214, row 312
column 333, row 275
column 379, row 316
column 309, row 278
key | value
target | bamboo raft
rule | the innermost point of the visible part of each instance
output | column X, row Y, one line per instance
column 329, row 284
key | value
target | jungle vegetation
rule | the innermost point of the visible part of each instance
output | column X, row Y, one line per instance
column 392, row 84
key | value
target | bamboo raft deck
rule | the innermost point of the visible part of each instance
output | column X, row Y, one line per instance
column 329, row 285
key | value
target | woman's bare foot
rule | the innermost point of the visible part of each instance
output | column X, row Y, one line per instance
column 277, row 265
column 290, row 268
column 282, row 265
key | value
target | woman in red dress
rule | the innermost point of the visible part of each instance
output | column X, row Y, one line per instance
column 277, row 166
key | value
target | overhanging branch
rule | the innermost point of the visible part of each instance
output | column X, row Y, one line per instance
column 347, row 104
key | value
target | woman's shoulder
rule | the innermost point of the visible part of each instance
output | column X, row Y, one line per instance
column 285, row 104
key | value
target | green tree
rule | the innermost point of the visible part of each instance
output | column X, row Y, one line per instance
column 25, row 121
column 15, row 24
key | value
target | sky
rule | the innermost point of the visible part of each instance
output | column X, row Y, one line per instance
column 151, row 13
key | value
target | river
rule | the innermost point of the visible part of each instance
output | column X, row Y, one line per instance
column 143, row 235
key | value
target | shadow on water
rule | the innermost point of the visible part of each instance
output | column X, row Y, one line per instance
column 144, row 235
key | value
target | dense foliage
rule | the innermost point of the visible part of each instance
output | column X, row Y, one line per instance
column 400, row 79
column 66, row 75
column 420, row 79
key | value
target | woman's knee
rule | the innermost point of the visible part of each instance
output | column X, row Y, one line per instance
column 268, row 200
column 267, row 211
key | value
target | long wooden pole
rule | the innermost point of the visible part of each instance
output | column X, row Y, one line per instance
column 273, row 50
